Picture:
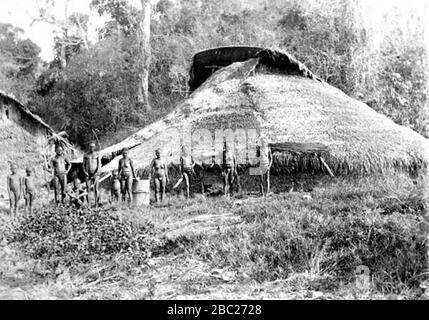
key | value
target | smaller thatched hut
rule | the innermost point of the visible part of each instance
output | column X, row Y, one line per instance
column 25, row 139
column 12, row 110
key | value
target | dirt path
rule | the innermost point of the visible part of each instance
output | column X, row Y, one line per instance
column 205, row 223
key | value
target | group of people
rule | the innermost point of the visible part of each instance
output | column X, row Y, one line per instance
column 121, row 180
column 230, row 168
column 18, row 187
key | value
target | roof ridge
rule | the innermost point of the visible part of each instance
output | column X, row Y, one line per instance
column 25, row 109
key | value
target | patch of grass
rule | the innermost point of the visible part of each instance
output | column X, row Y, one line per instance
column 285, row 243
column 342, row 226
column 174, row 209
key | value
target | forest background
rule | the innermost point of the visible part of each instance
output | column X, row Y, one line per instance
column 93, row 89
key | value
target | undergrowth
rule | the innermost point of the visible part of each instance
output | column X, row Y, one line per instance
column 342, row 226
column 73, row 238
column 316, row 241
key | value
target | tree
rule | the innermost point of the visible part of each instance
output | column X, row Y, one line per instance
column 389, row 75
column 19, row 62
column 133, row 23
column 326, row 39
column 72, row 28
column 403, row 79
column 120, row 11
column 24, row 52
column 101, row 88
column 93, row 93
column 145, row 57
column 46, row 16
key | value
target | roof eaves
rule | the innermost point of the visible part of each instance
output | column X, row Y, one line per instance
column 25, row 110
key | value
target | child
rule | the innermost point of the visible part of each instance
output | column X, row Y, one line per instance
column 29, row 190
column 14, row 189
column 115, row 186
column 77, row 194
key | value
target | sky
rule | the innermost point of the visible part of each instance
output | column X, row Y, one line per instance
column 20, row 13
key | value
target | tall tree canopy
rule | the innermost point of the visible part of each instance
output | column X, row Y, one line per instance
column 19, row 61
column 132, row 22
column 105, row 82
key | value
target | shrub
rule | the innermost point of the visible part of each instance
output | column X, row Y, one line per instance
column 70, row 236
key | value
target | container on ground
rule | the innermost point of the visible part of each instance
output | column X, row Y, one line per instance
column 141, row 192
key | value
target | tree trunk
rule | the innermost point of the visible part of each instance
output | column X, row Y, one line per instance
column 145, row 53
column 63, row 54
column 82, row 32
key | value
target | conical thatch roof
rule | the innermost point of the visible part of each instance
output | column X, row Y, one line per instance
column 285, row 102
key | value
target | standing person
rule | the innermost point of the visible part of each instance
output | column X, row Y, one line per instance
column 127, row 174
column 229, row 169
column 265, row 162
column 187, row 168
column 61, row 167
column 160, row 175
column 29, row 189
column 14, row 189
column 91, row 169
column 115, row 186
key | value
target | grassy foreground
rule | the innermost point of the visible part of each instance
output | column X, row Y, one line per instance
column 290, row 246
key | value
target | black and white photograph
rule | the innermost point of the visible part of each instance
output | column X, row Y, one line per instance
column 195, row 150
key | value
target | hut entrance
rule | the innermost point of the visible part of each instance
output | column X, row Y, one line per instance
column 210, row 179
column 205, row 63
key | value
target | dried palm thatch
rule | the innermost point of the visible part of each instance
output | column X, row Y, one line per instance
column 53, row 138
column 280, row 98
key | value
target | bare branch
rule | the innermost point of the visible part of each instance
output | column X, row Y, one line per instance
column 82, row 31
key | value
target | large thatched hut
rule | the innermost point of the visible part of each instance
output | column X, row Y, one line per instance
column 253, row 92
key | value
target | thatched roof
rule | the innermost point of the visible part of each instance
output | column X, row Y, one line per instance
column 206, row 62
column 23, row 109
column 54, row 138
column 279, row 96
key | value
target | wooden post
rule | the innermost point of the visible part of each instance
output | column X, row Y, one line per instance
column 326, row 166
column 178, row 183
column 105, row 177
